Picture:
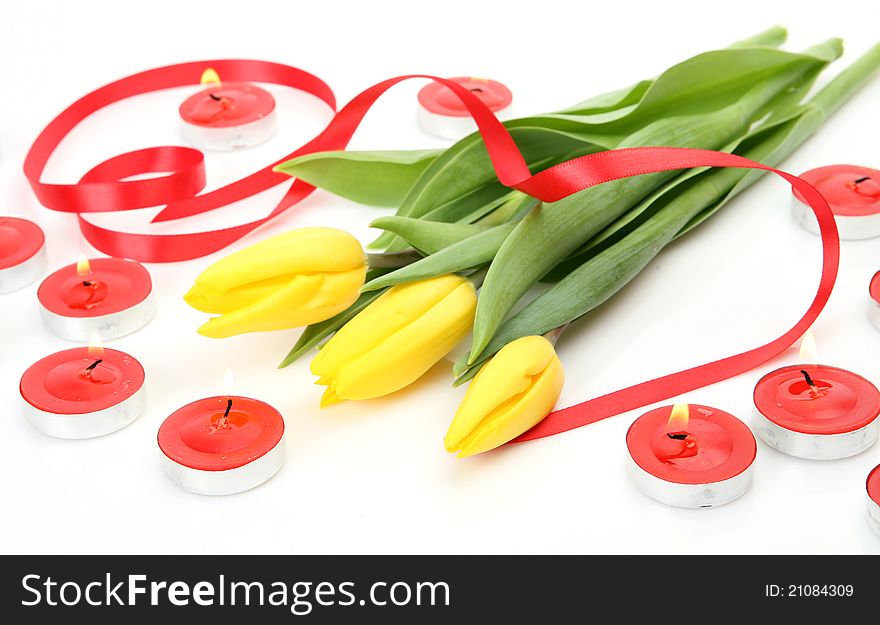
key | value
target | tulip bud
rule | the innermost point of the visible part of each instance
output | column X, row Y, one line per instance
column 515, row 390
column 396, row 339
column 293, row 279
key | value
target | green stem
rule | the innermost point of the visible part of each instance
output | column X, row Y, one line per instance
column 772, row 37
column 478, row 276
column 850, row 80
column 393, row 260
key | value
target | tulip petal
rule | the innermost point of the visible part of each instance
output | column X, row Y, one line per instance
column 406, row 355
column 513, row 392
column 218, row 302
column 329, row 398
column 249, row 275
column 305, row 299
column 392, row 311
column 507, row 375
column 263, row 314
column 514, row 418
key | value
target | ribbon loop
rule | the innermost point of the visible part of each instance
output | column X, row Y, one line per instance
column 104, row 188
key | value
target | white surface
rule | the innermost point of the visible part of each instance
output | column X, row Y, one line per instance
column 373, row 476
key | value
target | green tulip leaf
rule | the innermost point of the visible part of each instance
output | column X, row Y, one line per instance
column 551, row 233
column 373, row 178
column 426, row 236
column 469, row 253
column 670, row 214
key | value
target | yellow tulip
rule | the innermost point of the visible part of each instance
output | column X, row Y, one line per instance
column 396, row 339
column 511, row 393
column 289, row 280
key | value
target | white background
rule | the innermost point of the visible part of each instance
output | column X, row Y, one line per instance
column 373, row 476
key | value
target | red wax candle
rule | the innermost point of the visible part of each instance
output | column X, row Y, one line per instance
column 442, row 114
column 816, row 411
column 853, row 193
column 874, row 300
column 222, row 445
column 690, row 456
column 228, row 115
column 109, row 297
column 83, row 392
column 22, row 253
column 874, row 499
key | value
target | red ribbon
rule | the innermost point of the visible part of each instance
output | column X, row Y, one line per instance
column 622, row 163
column 106, row 188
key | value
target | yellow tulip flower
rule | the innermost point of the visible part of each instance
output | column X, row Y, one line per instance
column 289, row 280
column 396, row 339
column 515, row 390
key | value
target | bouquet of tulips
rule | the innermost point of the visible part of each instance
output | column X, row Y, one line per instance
column 385, row 318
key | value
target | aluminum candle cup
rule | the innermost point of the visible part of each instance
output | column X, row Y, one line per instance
column 443, row 115
column 816, row 412
column 83, row 392
column 874, row 301
column 104, row 297
column 690, row 456
column 853, row 193
column 222, row 445
column 873, row 503
column 22, row 253
column 228, row 116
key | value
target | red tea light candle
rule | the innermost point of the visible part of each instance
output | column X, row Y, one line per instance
column 229, row 115
column 22, row 253
column 443, row 115
column 874, row 301
column 222, row 445
column 83, row 392
column 690, row 456
column 816, row 412
column 873, row 502
column 853, row 193
column 107, row 297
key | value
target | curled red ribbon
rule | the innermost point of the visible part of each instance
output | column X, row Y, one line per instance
column 106, row 188
column 630, row 162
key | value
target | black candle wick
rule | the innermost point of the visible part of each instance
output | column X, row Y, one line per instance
column 228, row 408
column 862, row 179
column 92, row 366
column 808, row 379
column 680, row 436
column 88, row 283
column 214, row 96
